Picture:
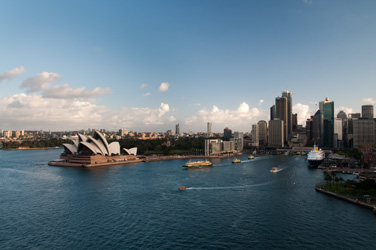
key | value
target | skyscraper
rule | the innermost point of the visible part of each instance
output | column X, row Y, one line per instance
column 272, row 112
column 367, row 111
column 227, row 133
column 288, row 95
column 294, row 122
column 209, row 130
column 328, row 123
column 281, row 110
column 177, row 129
column 255, row 135
column 275, row 138
column 263, row 132
column 318, row 128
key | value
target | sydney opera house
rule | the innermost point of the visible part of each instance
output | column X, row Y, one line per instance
column 93, row 151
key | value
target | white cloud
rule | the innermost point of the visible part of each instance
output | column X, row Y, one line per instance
column 37, row 112
column 13, row 73
column 261, row 101
column 303, row 111
column 240, row 119
column 164, row 108
column 146, row 94
column 164, row 87
column 42, row 83
column 143, row 86
column 369, row 100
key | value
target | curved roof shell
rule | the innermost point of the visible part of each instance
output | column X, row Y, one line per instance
column 94, row 149
column 70, row 148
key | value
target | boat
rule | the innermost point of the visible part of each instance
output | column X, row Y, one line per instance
column 274, row 170
column 315, row 157
column 236, row 160
column 182, row 188
column 251, row 157
column 197, row 164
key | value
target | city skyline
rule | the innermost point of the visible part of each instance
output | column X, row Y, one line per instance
column 147, row 66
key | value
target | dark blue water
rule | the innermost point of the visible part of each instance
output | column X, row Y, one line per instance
column 228, row 206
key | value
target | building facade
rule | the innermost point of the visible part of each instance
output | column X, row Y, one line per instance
column 367, row 111
column 263, row 132
column 281, row 108
column 328, row 123
column 276, row 134
column 255, row 135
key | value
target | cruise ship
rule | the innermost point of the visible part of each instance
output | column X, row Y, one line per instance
column 315, row 157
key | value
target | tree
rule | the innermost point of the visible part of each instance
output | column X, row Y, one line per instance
column 328, row 179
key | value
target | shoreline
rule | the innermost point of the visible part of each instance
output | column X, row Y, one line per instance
column 346, row 198
column 14, row 149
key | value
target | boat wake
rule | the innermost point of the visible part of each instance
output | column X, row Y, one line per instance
column 228, row 187
column 276, row 171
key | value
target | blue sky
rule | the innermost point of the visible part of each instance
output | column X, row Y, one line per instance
column 100, row 64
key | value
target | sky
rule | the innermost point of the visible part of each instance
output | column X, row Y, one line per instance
column 148, row 65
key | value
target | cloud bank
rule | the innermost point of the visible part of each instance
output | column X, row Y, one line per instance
column 25, row 111
column 240, row 119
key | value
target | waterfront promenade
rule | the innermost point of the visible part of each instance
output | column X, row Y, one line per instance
column 62, row 163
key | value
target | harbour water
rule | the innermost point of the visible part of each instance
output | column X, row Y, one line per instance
column 227, row 206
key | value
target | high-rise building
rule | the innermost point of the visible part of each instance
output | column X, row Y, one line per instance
column 238, row 140
column 177, row 129
column 263, row 132
column 354, row 116
column 321, row 106
column 209, row 129
column 17, row 133
column 272, row 112
column 328, row 123
column 294, row 122
column 342, row 115
column 281, row 109
column 309, row 128
column 255, row 135
column 338, row 129
column 8, row 134
column 288, row 95
column 123, row 132
column 227, row 133
column 276, row 134
column 367, row 111
column 318, row 128
column 363, row 132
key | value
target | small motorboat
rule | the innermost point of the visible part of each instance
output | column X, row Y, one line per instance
column 236, row 160
column 274, row 170
column 182, row 188
column 251, row 157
